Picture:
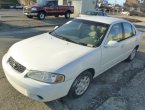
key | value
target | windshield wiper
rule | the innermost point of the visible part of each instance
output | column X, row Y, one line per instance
column 54, row 34
column 82, row 43
column 64, row 38
column 69, row 40
column 88, row 45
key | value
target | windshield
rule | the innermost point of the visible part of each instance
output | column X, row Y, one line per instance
column 82, row 32
column 91, row 13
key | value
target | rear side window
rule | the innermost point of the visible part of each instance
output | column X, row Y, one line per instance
column 128, row 30
column 116, row 33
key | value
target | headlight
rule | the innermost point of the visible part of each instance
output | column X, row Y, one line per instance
column 33, row 9
column 46, row 76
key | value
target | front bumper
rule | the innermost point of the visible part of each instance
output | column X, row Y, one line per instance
column 31, row 13
column 34, row 89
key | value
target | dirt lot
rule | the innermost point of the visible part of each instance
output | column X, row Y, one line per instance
column 120, row 88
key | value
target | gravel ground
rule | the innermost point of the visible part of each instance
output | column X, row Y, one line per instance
column 119, row 88
column 112, row 90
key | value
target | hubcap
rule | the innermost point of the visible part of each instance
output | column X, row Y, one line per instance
column 42, row 16
column 68, row 15
column 82, row 85
column 133, row 54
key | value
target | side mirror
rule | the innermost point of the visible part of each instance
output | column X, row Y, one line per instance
column 111, row 44
column 55, row 27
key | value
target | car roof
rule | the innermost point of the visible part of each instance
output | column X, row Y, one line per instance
column 102, row 19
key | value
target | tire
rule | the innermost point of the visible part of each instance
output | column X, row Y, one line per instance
column 67, row 15
column 29, row 16
column 41, row 15
column 78, row 89
column 132, row 55
column 56, row 16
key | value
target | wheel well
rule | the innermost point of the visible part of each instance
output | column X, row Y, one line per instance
column 42, row 11
column 68, row 11
column 92, row 71
column 137, row 47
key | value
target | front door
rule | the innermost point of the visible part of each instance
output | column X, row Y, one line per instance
column 51, row 8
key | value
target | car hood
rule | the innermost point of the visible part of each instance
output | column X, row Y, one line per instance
column 34, row 6
column 46, row 53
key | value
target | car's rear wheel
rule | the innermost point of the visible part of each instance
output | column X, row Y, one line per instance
column 132, row 55
column 67, row 15
column 80, row 85
column 29, row 16
column 41, row 15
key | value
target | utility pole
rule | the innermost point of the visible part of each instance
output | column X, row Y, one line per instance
column 114, row 7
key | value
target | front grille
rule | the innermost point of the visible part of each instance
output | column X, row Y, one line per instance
column 26, row 9
column 16, row 66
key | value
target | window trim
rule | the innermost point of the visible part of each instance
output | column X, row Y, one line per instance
column 133, row 28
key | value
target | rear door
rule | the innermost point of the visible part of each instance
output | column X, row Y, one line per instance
column 129, row 38
column 113, row 54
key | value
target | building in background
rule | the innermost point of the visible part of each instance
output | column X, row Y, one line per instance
column 80, row 6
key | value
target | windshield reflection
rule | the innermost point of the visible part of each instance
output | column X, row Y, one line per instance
column 82, row 32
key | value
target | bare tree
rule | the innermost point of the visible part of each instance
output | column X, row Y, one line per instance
column 26, row 2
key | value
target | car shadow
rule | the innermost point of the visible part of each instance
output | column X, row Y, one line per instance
column 103, row 87
column 50, row 20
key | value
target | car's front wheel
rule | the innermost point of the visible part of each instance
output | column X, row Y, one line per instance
column 67, row 15
column 41, row 15
column 80, row 85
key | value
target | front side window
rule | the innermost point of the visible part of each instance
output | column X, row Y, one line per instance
column 82, row 32
column 127, row 30
column 116, row 33
column 51, row 4
column 100, row 13
column 105, row 14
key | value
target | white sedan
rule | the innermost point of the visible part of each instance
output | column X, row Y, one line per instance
column 64, row 62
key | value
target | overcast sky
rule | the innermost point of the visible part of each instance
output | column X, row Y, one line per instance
column 117, row 1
